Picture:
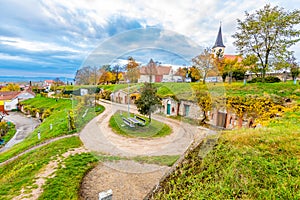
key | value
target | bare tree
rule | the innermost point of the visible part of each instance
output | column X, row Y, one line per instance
column 204, row 62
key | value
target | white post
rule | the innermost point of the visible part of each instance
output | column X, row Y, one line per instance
column 128, row 96
column 50, row 126
column 39, row 135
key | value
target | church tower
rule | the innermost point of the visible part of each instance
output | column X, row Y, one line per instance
column 219, row 47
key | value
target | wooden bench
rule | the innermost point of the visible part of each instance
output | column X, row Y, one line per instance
column 142, row 121
column 128, row 123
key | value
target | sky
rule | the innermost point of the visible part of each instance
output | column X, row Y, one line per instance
column 57, row 37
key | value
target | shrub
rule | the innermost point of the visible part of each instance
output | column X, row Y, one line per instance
column 46, row 114
column 272, row 79
column 268, row 79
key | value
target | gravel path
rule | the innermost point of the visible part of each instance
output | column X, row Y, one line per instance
column 97, row 136
column 125, row 185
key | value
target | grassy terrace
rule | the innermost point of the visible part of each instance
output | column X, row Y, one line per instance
column 58, row 119
column 245, row 164
column 185, row 90
column 153, row 129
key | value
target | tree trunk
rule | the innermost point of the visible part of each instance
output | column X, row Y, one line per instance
column 150, row 117
column 204, row 118
column 240, row 122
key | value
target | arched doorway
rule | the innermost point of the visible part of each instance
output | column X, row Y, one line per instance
column 169, row 107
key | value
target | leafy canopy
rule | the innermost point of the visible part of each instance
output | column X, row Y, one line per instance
column 149, row 101
column 268, row 33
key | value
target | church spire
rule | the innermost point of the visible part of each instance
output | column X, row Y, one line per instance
column 219, row 40
column 219, row 48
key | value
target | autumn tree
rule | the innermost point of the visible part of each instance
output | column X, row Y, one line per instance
column 204, row 101
column 204, row 62
column 182, row 72
column 11, row 87
column 194, row 74
column 132, row 70
column 117, row 73
column 105, row 77
column 3, row 129
column 148, row 101
column 267, row 33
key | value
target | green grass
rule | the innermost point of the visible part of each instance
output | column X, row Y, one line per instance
column 159, row 160
column 185, row 90
column 245, row 164
column 153, row 129
column 21, row 172
column 67, row 181
column 9, row 134
column 58, row 119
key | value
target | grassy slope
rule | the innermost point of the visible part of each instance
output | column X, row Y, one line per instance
column 58, row 119
column 21, row 172
column 248, row 164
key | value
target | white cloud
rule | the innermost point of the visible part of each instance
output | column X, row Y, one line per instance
column 35, row 46
column 4, row 56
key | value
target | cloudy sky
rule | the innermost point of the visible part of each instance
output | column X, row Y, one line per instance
column 57, row 37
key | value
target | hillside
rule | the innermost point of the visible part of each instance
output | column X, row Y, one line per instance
column 259, row 163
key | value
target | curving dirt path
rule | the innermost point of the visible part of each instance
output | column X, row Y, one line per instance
column 98, row 136
column 128, row 179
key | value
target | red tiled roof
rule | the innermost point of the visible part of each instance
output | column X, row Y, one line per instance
column 49, row 81
column 232, row 57
column 9, row 95
column 156, row 70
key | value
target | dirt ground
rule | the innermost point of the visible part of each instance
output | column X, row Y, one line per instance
column 128, row 180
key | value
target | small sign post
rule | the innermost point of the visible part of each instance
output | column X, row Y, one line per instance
column 39, row 135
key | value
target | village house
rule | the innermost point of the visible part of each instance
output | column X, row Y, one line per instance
column 9, row 100
column 157, row 73
column 47, row 84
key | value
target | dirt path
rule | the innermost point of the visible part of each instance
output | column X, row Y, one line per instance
column 127, row 179
column 98, row 136
column 47, row 172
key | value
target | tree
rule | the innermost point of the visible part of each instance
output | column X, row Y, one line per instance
column 295, row 71
column 11, row 87
column 3, row 129
column 194, row 74
column 133, row 71
column 205, row 103
column 250, row 61
column 267, row 33
column 116, row 71
column 105, row 77
column 204, row 62
column 182, row 73
column 88, row 75
column 149, row 101
column 82, row 76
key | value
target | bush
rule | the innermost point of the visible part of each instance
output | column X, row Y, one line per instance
column 268, row 79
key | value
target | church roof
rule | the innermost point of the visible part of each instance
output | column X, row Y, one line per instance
column 219, row 40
